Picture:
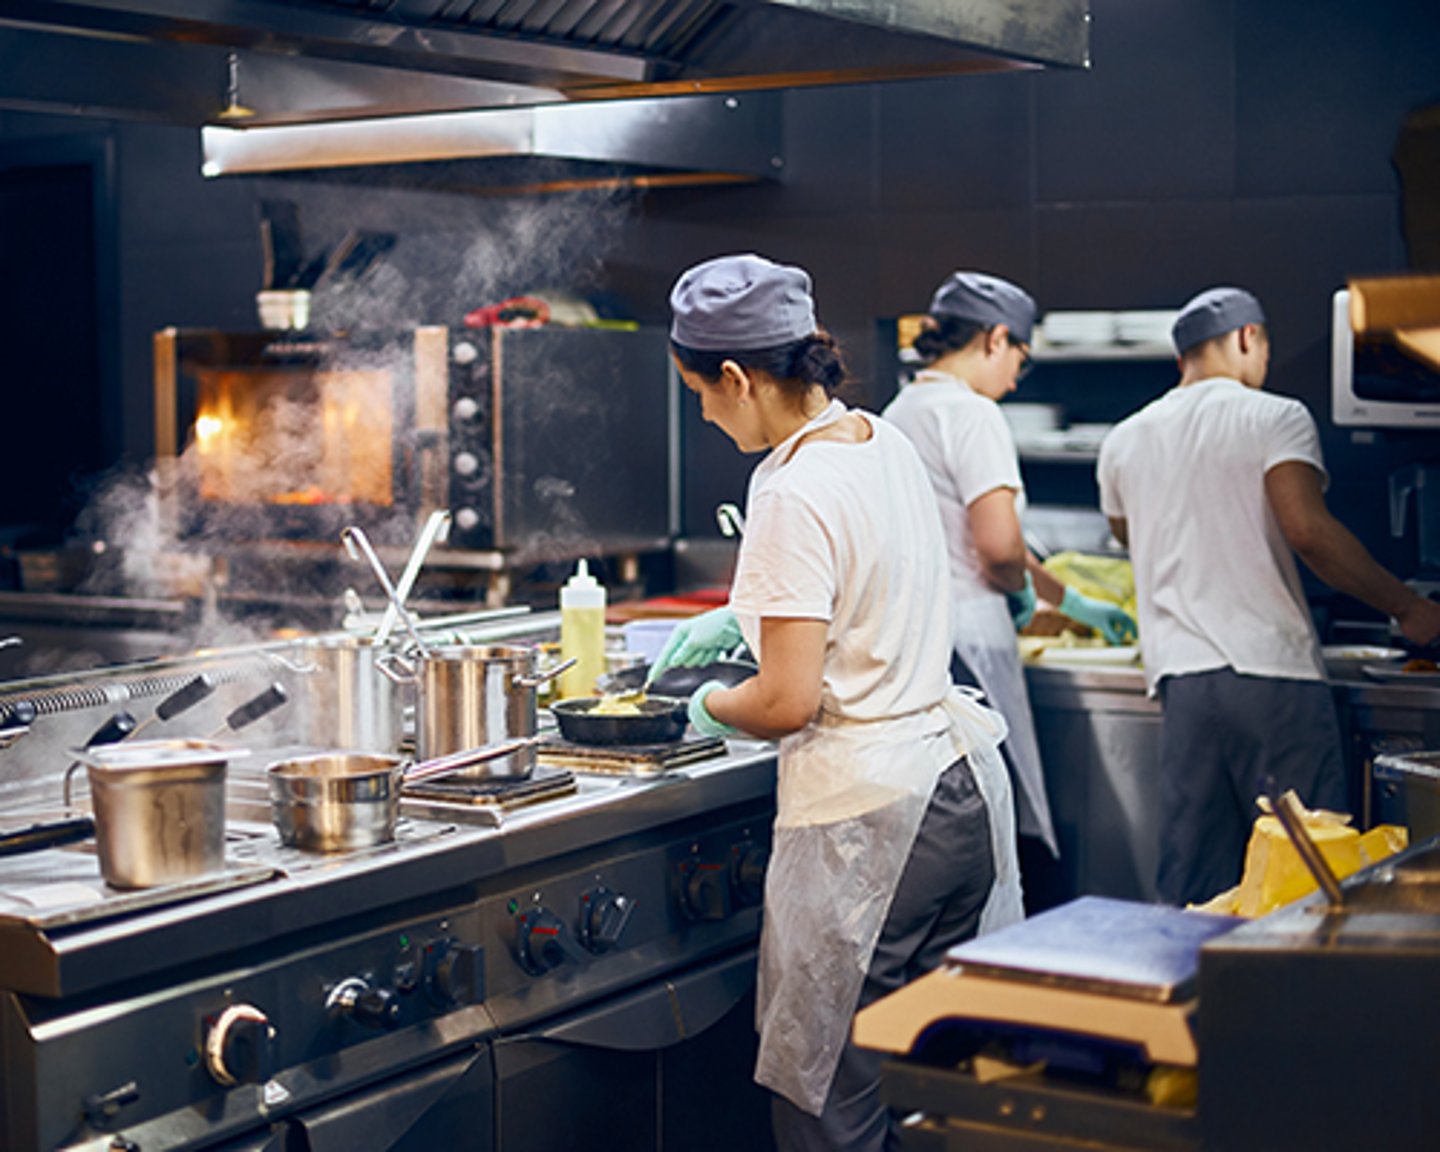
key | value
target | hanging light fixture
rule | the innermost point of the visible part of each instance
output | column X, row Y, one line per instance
column 233, row 110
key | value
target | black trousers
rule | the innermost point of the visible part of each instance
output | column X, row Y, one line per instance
column 936, row 905
column 1222, row 735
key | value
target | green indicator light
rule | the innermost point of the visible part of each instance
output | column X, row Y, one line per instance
column 512, row 907
column 404, row 941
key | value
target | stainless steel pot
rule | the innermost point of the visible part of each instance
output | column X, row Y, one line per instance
column 349, row 705
column 473, row 695
column 159, row 809
column 341, row 801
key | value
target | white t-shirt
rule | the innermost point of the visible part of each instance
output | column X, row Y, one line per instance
column 967, row 448
column 849, row 533
column 1215, row 581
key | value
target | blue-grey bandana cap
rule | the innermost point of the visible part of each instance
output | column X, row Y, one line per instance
column 1213, row 313
column 739, row 303
column 986, row 300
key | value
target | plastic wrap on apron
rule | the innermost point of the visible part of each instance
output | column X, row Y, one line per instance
column 850, row 798
column 984, row 637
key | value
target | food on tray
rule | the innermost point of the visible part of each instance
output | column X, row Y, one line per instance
column 1052, row 622
column 1428, row 667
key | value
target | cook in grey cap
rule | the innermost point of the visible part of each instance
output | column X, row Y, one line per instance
column 986, row 300
column 1213, row 313
column 737, row 303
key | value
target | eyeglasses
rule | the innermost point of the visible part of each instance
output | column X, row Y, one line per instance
column 1026, row 362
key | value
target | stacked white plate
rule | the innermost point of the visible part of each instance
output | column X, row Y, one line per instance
column 1079, row 327
column 1145, row 327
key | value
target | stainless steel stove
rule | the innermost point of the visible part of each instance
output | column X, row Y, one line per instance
column 563, row 964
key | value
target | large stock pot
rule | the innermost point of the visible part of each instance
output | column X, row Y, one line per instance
column 471, row 695
column 349, row 705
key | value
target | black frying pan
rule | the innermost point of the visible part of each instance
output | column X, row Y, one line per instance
column 661, row 720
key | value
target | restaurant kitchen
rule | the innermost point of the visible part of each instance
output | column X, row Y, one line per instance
column 871, row 185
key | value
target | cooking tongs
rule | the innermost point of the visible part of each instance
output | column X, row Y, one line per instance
column 358, row 545
column 1286, row 809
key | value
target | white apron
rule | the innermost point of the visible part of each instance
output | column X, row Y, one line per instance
column 850, row 799
column 984, row 637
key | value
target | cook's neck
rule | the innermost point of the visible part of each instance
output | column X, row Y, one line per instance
column 786, row 423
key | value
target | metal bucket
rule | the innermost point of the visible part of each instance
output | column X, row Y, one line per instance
column 159, row 810
column 471, row 696
column 349, row 705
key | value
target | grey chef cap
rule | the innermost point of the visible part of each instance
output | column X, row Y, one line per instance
column 738, row 303
column 1213, row 313
column 986, row 300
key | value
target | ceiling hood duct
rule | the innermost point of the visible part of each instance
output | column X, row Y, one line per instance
column 671, row 140
column 519, row 50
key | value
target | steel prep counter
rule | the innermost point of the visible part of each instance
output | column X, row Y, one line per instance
column 1100, row 743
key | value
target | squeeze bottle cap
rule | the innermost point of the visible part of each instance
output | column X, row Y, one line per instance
column 582, row 590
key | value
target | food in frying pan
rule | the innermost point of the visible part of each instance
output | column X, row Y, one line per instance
column 621, row 704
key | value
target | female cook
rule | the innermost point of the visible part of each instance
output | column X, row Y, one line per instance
column 893, row 837
column 976, row 348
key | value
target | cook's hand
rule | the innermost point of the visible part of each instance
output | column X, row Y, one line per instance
column 1419, row 622
column 700, row 717
column 1022, row 604
column 1110, row 620
column 702, row 639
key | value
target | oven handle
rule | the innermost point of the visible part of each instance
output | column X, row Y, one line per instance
column 662, row 1013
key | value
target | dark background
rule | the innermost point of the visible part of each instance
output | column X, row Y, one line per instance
column 1211, row 142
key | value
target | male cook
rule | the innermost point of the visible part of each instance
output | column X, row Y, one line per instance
column 1212, row 486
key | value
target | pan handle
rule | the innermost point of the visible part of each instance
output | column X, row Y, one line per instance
column 457, row 761
column 548, row 674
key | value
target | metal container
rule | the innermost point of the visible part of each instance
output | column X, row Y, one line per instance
column 1420, row 772
column 159, row 809
column 341, row 801
column 336, row 802
column 474, row 695
column 349, row 705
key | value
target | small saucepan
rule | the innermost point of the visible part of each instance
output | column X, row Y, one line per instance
column 340, row 801
column 659, row 720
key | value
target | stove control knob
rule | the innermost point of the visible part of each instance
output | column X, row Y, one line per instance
column 453, row 973
column 603, row 916
column 706, row 891
column 747, row 875
column 465, row 352
column 466, row 464
column 240, row 1046
column 465, row 408
column 371, row 1007
column 545, row 942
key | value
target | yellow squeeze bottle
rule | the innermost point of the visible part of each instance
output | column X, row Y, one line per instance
column 582, row 632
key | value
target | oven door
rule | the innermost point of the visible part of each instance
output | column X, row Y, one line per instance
column 669, row 1065
column 447, row 1105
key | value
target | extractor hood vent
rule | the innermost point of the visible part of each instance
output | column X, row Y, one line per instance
column 294, row 61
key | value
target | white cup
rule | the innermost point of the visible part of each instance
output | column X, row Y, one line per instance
column 284, row 309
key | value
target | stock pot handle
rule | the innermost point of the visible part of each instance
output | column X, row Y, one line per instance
column 550, row 674
column 408, row 673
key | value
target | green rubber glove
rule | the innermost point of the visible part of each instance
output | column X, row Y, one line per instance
column 1022, row 604
column 1110, row 620
column 702, row 639
column 700, row 717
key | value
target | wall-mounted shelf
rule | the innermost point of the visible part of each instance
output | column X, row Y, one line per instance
column 1043, row 353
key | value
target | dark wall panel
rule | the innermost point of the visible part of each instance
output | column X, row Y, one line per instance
column 1322, row 88
column 1155, row 115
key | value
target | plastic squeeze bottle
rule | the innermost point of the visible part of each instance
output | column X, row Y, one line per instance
column 582, row 632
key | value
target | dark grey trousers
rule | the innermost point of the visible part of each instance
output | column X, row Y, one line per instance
column 937, row 905
column 1222, row 734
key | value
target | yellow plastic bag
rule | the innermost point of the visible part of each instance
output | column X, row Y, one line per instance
column 1109, row 578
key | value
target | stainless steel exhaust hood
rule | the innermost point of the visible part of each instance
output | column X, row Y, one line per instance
column 310, row 60
column 429, row 80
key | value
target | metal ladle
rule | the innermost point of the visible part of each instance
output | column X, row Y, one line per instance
column 358, row 545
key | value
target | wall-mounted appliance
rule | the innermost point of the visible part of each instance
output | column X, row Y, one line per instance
column 549, row 441
column 1385, row 353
